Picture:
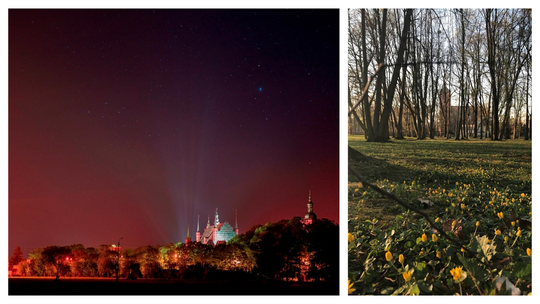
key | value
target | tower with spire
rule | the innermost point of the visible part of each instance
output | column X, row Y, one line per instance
column 198, row 233
column 310, row 215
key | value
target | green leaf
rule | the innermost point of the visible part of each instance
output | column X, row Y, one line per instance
column 408, row 244
column 368, row 290
column 414, row 290
column 424, row 288
column 450, row 250
column 476, row 271
column 523, row 271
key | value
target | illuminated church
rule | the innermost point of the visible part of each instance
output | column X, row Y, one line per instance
column 216, row 233
column 222, row 232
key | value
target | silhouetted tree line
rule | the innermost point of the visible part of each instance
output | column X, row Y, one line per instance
column 285, row 250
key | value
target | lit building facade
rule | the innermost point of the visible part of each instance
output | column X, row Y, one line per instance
column 218, row 232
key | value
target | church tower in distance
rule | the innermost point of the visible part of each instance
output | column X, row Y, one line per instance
column 310, row 215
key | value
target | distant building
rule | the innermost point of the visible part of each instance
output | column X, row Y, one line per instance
column 115, row 248
column 310, row 215
column 218, row 232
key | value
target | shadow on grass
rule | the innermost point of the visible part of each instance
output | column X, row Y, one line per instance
column 441, row 163
column 374, row 169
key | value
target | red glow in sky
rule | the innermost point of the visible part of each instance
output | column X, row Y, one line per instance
column 130, row 123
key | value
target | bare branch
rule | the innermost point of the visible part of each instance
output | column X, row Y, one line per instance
column 364, row 92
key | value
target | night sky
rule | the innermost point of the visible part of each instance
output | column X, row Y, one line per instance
column 126, row 123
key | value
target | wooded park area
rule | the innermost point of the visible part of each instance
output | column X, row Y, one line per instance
column 454, row 73
column 440, row 216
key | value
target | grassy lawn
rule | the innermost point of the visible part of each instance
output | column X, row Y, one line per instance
column 468, row 182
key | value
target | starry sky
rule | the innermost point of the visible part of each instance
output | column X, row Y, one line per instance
column 130, row 123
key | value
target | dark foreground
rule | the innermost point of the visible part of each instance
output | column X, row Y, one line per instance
column 106, row 286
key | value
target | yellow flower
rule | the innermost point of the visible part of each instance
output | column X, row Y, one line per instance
column 456, row 273
column 401, row 259
column 477, row 223
column 522, row 194
column 518, row 233
column 434, row 237
column 529, row 251
column 424, row 237
column 388, row 256
column 351, row 237
column 462, row 206
column 351, row 289
column 450, row 194
column 463, row 250
column 439, row 254
column 407, row 276
column 513, row 223
column 500, row 215
column 505, row 239
column 497, row 231
column 436, row 220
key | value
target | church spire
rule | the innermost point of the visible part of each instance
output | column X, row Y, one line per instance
column 208, row 223
column 198, row 233
column 216, row 220
column 310, row 204
column 310, row 215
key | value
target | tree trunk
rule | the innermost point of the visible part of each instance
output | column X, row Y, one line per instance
column 492, row 45
column 382, row 134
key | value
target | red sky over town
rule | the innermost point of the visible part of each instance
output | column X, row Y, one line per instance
column 126, row 123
